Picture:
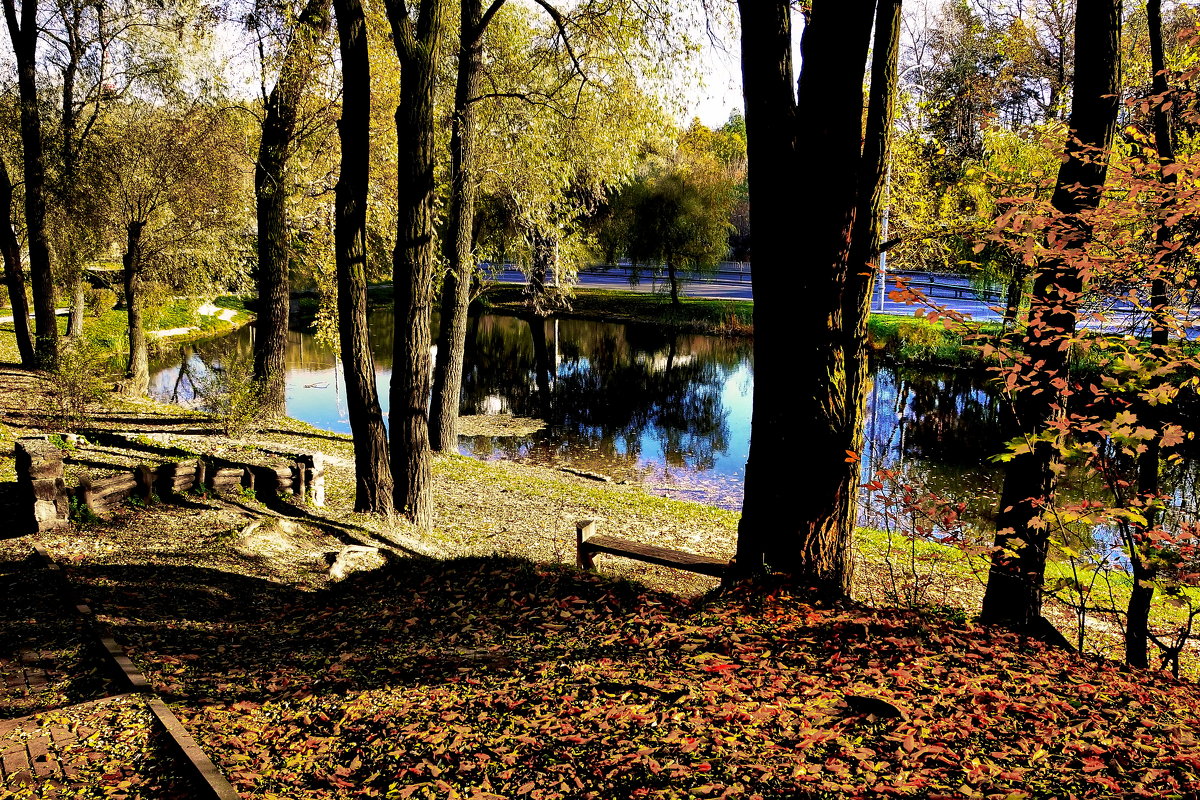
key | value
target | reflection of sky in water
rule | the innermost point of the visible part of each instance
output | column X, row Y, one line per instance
column 669, row 411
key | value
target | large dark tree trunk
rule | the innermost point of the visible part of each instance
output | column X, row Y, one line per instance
column 1137, row 626
column 456, row 289
column 795, row 527
column 270, row 197
column 137, row 373
column 24, row 35
column 1014, row 591
column 416, row 43
column 373, row 485
column 14, row 273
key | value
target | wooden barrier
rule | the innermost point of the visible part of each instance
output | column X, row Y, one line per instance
column 588, row 544
column 40, row 473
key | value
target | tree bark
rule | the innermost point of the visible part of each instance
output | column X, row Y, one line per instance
column 416, row 43
column 270, row 196
column 866, row 231
column 78, row 303
column 1141, row 594
column 543, row 265
column 14, row 273
column 1013, row 597
column 673, row 279
column 24, row 33
column 456, row 288
column 373, row 478
column 137, row 374
column 800, row 529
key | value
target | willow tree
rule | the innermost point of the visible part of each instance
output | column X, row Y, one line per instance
column 1014, row 590
column 813, row 188
column 303, row 40
column 548, row 137
column 172, row 193
column 416, row 33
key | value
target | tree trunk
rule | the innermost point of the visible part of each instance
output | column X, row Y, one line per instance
column 24, row 35
column 412, row 262
column 673, row 278
column 800, row 529
column 270, row 197
column 14, row 274
column 78, row 303
column 137, row 374
column 1137, row 625
column 456, row 289
column 543, row 265
column 1013, row 597
column 1012, row 300
column 373, row 484
column 866, row 232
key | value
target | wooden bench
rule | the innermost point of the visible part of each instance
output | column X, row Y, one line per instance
column 588, row 543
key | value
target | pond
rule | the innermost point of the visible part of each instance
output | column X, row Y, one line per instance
column 633, row 402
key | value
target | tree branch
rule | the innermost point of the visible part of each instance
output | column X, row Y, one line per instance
column 561, row 23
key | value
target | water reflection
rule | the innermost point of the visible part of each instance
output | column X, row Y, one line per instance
column 671, row 411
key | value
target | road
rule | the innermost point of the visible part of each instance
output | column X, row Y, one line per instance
column 740, row 289
column 951, row 292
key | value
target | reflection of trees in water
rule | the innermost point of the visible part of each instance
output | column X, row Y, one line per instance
column 949, row 418
column 940, row 428
column 178, row 370
column 603, row 388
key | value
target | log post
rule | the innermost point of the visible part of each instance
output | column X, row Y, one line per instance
column 85, row 494
column 584, row 530
column 40, row 474
column 144, row 478
column 299, row 470
column 315, row 477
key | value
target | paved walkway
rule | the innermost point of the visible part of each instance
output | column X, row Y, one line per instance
column 32, row 753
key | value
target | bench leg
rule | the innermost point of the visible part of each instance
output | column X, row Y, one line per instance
column 584, row 530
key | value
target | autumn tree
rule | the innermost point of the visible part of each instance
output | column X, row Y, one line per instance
column 1014, row 590
column 678, row 215
column 14, row 272
column 559, row 91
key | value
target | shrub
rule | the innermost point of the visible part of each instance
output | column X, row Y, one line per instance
column 77, row 386
column 99, row 301
column 231, row 394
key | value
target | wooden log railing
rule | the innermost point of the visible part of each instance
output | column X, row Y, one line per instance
column 588, row 544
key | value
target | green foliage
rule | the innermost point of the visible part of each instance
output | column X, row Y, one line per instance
column 81, row 515
column 231, row 394
column 98, row 301
column 78, row 385
column 678, row 211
